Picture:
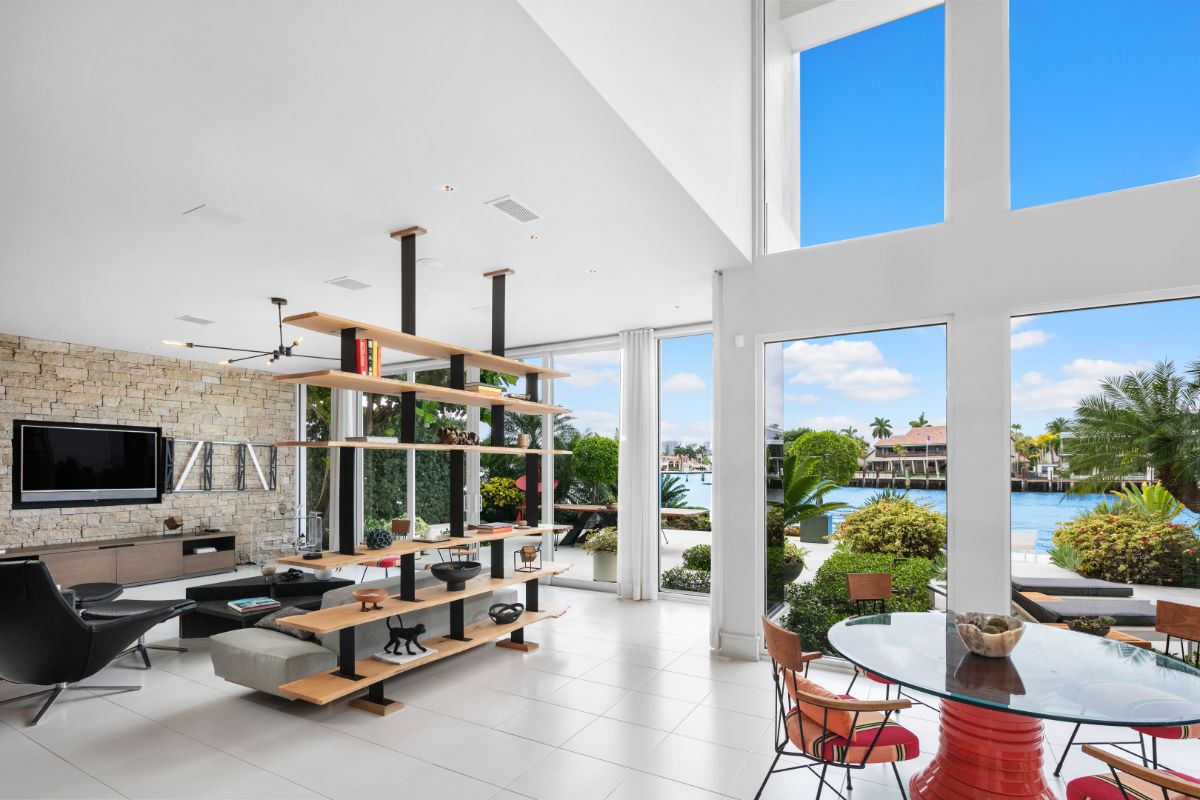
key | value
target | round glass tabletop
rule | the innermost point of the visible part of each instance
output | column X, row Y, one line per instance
column 1052, row 673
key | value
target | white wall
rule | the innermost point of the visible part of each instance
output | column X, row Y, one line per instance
column 678, row 73
column 982, row 265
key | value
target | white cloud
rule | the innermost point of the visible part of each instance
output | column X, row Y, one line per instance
column 854, row 368
column 599, row 421
column 801, row 399
column 689, row 433
column 1031, row 338
column 831, row 423
column 1033, row 391
column 589, row 370
column 1020, row 322
column 683, row 382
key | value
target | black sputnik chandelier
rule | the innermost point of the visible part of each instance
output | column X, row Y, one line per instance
column 282, row 351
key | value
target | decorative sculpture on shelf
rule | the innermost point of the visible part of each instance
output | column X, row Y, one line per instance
column 402, row 635
column 377, row 538
column 505, row 613
column 455, row 436
column 527, row 559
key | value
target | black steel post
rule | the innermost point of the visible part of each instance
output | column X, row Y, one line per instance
column 458, row 621
column 498, row 350
column 497, row 548
column 517, row 636
column 408, row 577
column 375, row 694
column 346, row 663
column 533, row 496
column 458, row 458
column 531, row 595
column 408, row 284
column 346, row 458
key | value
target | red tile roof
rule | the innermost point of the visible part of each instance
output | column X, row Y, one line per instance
column 917, row 437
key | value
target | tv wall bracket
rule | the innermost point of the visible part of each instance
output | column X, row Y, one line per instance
column 202, row 452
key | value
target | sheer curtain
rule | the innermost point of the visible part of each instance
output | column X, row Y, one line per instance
column 637, row 483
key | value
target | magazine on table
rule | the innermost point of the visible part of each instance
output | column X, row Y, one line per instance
column 247, row 604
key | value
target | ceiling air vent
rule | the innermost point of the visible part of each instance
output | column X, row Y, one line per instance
column 194, row 320
column 514, row 208
column 346, row 282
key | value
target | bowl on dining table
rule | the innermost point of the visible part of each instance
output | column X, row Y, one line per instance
column 989, row 635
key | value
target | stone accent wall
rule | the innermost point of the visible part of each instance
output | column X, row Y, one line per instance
column 43, row 380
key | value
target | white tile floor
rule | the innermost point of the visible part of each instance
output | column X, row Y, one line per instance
column 622, row 701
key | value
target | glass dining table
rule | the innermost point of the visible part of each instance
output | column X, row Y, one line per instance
column 992, row 708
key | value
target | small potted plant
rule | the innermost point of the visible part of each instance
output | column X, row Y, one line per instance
column 602, row 544
column 1096, row 626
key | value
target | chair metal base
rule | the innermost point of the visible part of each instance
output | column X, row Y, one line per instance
column 57, row 691
column 143, row 649
column 821, row 776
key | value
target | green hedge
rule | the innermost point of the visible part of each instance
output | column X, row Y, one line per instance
column 686, row 580
column 1130, row 547
column 898, row 527
column 815, row 607
column 696, row 522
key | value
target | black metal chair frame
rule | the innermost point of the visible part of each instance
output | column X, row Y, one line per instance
column 784, row 709
column 887, row 687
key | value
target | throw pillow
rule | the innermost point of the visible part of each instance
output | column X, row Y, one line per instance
column 839, row 722
column 270, row 623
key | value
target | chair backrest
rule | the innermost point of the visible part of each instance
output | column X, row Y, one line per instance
column 869, row 585
column 784, row 646
column 1163, row 780
column 1177, row 619
column 1024, row 540
column 45, row 641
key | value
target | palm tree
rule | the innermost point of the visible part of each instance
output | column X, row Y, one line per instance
column 919, row 422
column 881, row 428
column 1143, row 419
column 1058, row 425
column 672, row 493
column 804, row 490
column 850, row 431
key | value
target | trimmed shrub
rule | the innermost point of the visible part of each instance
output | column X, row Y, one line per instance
column 501, row 497
column 897, row 527
column 686, row 580
column 1129, row 547
column 601, row 540
column 698, row 556
column 815, row 607
column 696, row 522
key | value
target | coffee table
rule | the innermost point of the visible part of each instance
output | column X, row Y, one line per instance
column 213, row 614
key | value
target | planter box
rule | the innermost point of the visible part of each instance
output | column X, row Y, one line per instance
column 604, row 566
column 815, row 530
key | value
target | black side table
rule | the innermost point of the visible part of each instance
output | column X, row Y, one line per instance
column 213, row 615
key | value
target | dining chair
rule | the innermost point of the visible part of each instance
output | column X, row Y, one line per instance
column 863, row 589
column 827, row 730
column 1178, row 621
column 386, row 563
column 1129, row 781
column 1153, row 733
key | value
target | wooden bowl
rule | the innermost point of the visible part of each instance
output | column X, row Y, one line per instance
column 991, row 645
column 372, row 596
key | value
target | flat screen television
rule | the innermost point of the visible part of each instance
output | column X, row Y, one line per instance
column 59, row 464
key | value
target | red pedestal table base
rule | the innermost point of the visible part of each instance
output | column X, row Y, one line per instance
column 984, row 753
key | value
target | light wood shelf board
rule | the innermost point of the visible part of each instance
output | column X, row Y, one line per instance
column 328, row 620
column 423, row 446
column 331, row 559
column 336, row 379
column 418, row 345
column 325, row 687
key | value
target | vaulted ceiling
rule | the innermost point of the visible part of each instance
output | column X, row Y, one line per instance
column 308, row 131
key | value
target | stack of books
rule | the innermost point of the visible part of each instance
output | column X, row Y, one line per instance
column 369, row 358
column 248, row 604
column 484, row 388
column 492, row 527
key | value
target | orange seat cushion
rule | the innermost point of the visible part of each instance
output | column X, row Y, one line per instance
column 1172, row 731
column 894, row 742
column 837, row 721
column 1104, row 787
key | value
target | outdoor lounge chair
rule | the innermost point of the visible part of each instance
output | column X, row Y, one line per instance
column 1047, row 608
column 1072, row 587
column 1025, row 542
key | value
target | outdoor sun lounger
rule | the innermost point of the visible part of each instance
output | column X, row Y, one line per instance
column 1072, row 587
column 1045, row 608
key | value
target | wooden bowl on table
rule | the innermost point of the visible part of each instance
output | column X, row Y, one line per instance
column 372, row 596
column 990, row 635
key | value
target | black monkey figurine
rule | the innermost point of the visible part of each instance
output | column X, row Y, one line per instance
column 402, row 635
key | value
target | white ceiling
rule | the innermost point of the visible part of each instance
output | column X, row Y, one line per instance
column 314, row 129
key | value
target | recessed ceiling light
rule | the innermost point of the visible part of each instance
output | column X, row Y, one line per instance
column 430, row 263
column 346, row 282
column 533, row 237
column 593, row 271
column 447, row 189
column 194, row 320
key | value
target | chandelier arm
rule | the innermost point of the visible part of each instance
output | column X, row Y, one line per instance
column 247, row 358
column 234, row 349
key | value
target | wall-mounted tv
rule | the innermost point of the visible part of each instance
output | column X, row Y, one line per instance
column 57, row 464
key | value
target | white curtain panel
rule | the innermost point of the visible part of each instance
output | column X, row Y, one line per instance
column 637, row 484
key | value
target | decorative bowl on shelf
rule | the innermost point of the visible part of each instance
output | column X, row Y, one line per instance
column 1096, row 626
column 456, row 573
column 372, row 596
column 990, row 635
column 504, row 613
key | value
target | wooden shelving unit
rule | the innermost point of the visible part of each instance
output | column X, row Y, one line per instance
column 331, row 620
column 432, row 447
column 334, row 560
column 417, row 345
column 334, row 379
column 352, row 674
column 325, row 687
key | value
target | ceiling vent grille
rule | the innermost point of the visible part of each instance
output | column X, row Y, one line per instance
column 194, row 320
column 514, row 208
column 346, row 282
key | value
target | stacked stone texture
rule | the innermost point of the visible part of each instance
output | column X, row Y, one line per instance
column 44, row 380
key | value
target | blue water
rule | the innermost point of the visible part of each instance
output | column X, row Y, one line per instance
column 1038, row 511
